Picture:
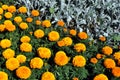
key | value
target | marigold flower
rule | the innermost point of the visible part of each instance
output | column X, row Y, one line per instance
column 75, row 78
column 10, row 27
column 8, row 53
column 5, row 43
column 29, row 19
column 22, row 9
column 65, row 29
column 4, row 7
column 18, row 19
column 116, row 71
column 3, row 75
column 44, row 52
column 82, row 35
column 60, row 43
column 8, row 15
column 48, row 76
column 23, row 25
column 73, row 32
column 100, row 77
column 25, row 39
column 46, row 23
column 39, row 33
column 102, row 38
column 7, row 22
column 53, row 36
column 21, row 58
column 38, row 22
column 116, row 55
column 26, row 47
column 80, row 47
column 12, row 9
column 99, row 56
column 109, row 63
column 61, row 58
column 23, row 72
column 1, row 11
column 79, row 61
column 60, row 23
column 36, row 63
column 35, row 13
column 2, row 27
column 68, row 41
column 107, row 50
column 93, row 60
column 12, row 64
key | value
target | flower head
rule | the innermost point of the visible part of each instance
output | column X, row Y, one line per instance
column 1, row 11
column 26, row 47
column 8, row 15
column 117, row 55
column 53, row 36
column 60, row 23
column 5, row 43
column 102, row 38
column 22, row 9
column 80, row 47
column 10, row 27
column 39, row 33
column 21, row 58
column 116, row 71
column 73, row 32
column 46, row 23
column 48, row 76
column 25, row 39
column 100, row 77
column 109, row 63
column 12, row 9
column 4, row 7
column 107, row 50
column 93, row 60
column 2, row 27
column 68, row 41
column 18, row 19
column 29, row 19
column 3, row 75
column 38, row 22
column 35, row 13
column 82, row 35
column 23, row 25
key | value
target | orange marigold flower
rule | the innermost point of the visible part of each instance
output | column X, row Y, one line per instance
column 23, row 72
column 5, row 43
column 1, row 11
column 39, row 33
column 68, row 41
column 26, row 47
column 80, row 47
column 75, row 78
column 107, row 50
column 48, row 76
column 60, row 43
column 60, row 23
column 12, row 64
column 79, row 61
column 102, row 38
column 116, row 71
column 8, row 53
column 18, row 19
column 44, row 52
column 3, row 75
column 21, row 58
column 93, row 60
column 46, row 23
column 100, row 77
column 38, row 22
column 23, row 25
column 8, row 15
column 73, row 32
column 10, row 27
column 99, row 56
column 109, row 63
column 117, row 55
column 82, row 35
column 29, row 19
column 25, row 39
column 35, row 13
column 2, row 27
column 12, row 9
column 22, row 9
column 53, row 36
column 61, row 58
column 4, row 7
column 36, row 63
column 7, row 22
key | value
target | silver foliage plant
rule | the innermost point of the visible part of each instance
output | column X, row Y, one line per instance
column 96, row 17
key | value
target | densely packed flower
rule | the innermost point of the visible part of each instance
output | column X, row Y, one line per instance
column 3, row 75
column 48, row 76
column 101, row 77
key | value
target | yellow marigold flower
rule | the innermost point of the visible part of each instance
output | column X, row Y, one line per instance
column 2, row 27
column 68, row 41
column 8, row 15
column 3, row 75
column 23, row 25
column 93, row 60
column 26, row 47
column 117, row 55
column 60, row 43
column 23, row 72
column 38, row 22
column 12, row 64
column 29, row 19
column 82, row 35
column 21, row 58
column 75, row 78
column 73, row 32
column 25, row 39
column 109, row 63
column 107, row 50
column 46, row 23
column 116, row 71
column 18, row 19
column 44, row 52
column 10, row 27
column 53, row 36
column 36, row 63
column 4, row 7
column 22, row 9
column 79, row 61
column 8, row 53
column 5, row 43
column 79, row 47
column 48, row 76
column 39, row 33
column 60, row 23
column 102, row 38
column 35, row 13
column 61, row 58
column 12, row 9
column 100, row 77
column 0, row 17
column 1, row 11
column 7, row 22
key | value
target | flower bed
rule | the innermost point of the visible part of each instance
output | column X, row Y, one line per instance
column 34, row 49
